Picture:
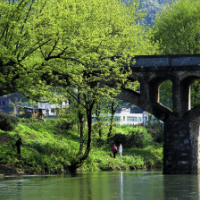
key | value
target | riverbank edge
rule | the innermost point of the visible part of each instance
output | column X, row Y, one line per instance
column 14, row 171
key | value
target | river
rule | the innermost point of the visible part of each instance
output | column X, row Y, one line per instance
column 122, row 185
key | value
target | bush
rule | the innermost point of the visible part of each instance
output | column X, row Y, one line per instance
column 119, row 139
column 7, row 122
column 156, row 129
column 133, row 139
column 25, row 115
column 158, row 136
column 64, row 124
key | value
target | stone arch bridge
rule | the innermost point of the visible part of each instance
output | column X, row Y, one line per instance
column 181, row 125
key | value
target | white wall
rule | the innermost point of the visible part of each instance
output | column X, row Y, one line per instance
column 49, row 107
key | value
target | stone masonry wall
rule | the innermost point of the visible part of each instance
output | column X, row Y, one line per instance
column 178, row 157
column 195, row 144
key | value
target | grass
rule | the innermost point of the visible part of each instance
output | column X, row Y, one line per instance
column 47, row 148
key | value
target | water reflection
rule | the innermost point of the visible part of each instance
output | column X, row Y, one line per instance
column 19, row 189
column 89, row 188
column 121, row 187
column 134, row 185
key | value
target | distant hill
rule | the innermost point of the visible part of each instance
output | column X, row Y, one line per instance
column 151, row 7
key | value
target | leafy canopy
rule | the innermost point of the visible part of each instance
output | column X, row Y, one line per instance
column 177, row 30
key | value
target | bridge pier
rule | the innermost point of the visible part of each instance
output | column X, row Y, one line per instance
column 181, row 132
column 181, row 147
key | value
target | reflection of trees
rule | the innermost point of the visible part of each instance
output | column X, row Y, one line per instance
column 19, row 190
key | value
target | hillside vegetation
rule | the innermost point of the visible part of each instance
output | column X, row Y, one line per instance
column 151, row 7
column 49, row 149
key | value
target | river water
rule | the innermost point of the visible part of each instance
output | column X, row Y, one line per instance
column 122, row 185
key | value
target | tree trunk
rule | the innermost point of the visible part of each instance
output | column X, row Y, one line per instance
column 81, row 124
column 81, row 131
column 98, row 111
column 89, row 142
column 111, row 122
column 77, row 163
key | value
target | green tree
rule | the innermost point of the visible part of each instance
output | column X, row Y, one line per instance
column 79, row 45
column 21, row 37
column 177, row 30
column 36, row 41
column 99, row 38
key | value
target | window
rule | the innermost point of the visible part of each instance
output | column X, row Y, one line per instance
column 139, row 119
column 3, row 103
column 132, row 119
column 52, row 110
column 124, row 118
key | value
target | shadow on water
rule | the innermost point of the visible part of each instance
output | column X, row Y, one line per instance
column 183, row 187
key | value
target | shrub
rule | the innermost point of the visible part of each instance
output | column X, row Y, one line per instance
column 119, row 138
column 7, row 122
column 156, row 129
column 133, row 139
column 25, row 115
column 65, row 124
column 158, row 136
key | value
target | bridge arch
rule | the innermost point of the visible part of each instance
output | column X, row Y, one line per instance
column 186, row 92
column 187, row 74
column 154, row 88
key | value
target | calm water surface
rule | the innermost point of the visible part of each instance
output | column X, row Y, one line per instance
column 124, row 185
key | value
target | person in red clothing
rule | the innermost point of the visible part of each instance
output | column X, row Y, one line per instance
column 114, row 150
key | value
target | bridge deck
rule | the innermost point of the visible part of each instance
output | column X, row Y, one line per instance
column 166, row 63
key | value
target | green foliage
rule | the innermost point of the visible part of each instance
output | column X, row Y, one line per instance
column 21, row 30
column 43, row 151
column 24, row 115
column 133, row 139
column 165, row 94
column 65, row 124
column 155, row 129
column 7, row 122
column 172, row 29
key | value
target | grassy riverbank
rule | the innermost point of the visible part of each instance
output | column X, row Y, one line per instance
column 48, row 148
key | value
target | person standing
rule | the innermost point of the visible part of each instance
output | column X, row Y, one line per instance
column 114, row 150
column 120, row 150
column 18, row 144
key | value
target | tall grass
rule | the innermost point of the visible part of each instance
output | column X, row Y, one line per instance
column 47, row 148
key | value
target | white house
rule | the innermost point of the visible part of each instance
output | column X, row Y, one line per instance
column 124, row 116
column 51, row 108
